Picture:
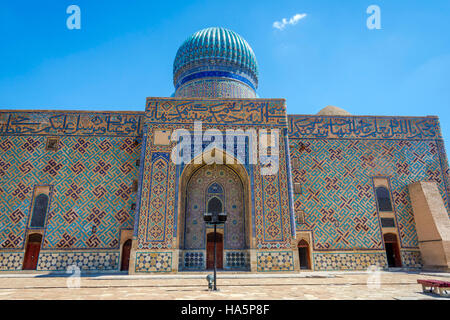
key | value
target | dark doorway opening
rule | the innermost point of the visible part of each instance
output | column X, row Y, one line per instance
column 210, row 251
column 303, row 255
column 214, row 206
column 126, row 248
column 392, row 251
column 31, row 257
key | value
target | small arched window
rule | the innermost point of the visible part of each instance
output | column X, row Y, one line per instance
column 383, row 199
column 39, row 211
column 214, row 205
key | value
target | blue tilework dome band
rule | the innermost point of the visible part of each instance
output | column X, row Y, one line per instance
column 215, row 63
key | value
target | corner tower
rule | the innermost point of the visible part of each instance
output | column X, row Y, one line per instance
column 215, row 63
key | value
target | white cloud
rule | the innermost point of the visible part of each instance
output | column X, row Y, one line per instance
column 292, row 21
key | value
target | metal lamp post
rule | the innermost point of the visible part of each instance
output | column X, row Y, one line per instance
column 215, row 219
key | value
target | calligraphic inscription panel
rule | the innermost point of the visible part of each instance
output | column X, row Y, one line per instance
column 71, row 123
column 252, row 112
column 355, row 127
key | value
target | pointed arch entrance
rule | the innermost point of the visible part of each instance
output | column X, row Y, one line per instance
column 216, row 187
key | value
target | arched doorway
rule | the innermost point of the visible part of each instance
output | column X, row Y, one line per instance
column 303, row 255
column 392, row 250
column 210, row 251
column 214, row 188
column 126, row 248
column 31, row 256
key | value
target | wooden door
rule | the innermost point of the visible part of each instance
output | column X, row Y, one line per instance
column 126, row 248
column 31, row 257
column 210, row 251
column 392, row 250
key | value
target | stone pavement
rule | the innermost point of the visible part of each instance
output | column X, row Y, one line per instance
column 240, row 286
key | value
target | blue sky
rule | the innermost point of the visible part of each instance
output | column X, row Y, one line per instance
column 125, row 50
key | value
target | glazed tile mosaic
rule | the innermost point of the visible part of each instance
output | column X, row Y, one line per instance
column 76, row 185
column 62, row 261
column 11, row 261
column 411, row 259
column 153, row 261
column 237, row 260
column 273, row 261
column 348, row 261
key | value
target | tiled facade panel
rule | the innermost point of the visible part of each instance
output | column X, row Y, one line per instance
column 348, row 261
column 85, row 261
column 91, row 173
column 153, row 262
column 91, row 178
column 274, row 261
column 336, row 175
column 11, row 261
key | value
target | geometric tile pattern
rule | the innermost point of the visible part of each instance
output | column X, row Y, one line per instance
column 411, row 259
column 270, row 209
column 273, row 261
column 153, row 261
column 193, row 260
column 11, row 261
column 348, row 261
column 237, row 260
column 336, row 167
column 232, row 201
column 272, row 213
column 60, row 261
column 156, row 221
column 91, row 175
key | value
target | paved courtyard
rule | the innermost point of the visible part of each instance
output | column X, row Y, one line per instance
column 303, row 286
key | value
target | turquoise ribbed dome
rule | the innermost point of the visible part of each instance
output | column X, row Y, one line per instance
column 215, row 52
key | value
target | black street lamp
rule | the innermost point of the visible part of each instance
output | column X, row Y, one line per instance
column 215, row 219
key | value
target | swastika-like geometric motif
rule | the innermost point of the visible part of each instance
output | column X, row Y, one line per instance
column 336, row 175
column 204, row 185
column 153, row 262
column 273, row 261
column 89, row 189
column 348, row 261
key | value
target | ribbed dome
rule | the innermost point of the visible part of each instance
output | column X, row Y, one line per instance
column 215, row 52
